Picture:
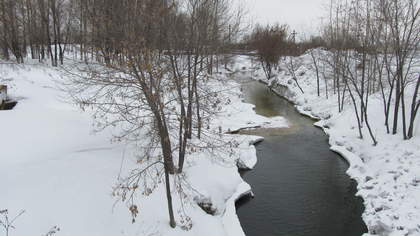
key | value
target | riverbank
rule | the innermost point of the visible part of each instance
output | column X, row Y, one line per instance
column 388, row 174
column 61, row 174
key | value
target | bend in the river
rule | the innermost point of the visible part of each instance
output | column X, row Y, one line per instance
column 301, row 187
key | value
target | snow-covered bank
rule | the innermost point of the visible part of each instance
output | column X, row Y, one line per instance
column 387, row 174
column 59, row 172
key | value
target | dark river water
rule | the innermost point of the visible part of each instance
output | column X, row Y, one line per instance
column 300, row 186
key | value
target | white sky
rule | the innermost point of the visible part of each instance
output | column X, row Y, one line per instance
column 304, row 16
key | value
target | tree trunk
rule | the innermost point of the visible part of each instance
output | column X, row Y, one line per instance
column 172, row 222
column 396, row 106
column 414, row 109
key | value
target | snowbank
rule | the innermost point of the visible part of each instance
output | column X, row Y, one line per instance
column 59, row 172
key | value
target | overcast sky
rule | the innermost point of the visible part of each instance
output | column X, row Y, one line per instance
column 301, row 15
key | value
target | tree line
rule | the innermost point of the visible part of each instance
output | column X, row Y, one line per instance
column 45, row 29
column 40, row 28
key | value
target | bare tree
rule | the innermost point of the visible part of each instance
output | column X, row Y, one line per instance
column 6, row 222
column 149, row 73
column 373, row 45
column 315, row 63
column 270, row 44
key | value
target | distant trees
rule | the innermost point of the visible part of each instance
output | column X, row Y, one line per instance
column 11, row 28
column 35, row 26
column 270, row 42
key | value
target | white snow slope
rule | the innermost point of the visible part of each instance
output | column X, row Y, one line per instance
column 61, row 174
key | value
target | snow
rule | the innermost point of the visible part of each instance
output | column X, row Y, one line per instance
column 62, row 174
column 387, row 174
column 230, row 221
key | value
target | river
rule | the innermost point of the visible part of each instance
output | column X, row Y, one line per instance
column 300, row 186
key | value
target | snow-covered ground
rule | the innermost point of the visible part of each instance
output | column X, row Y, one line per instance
column 388, row 174
column 60, row 173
